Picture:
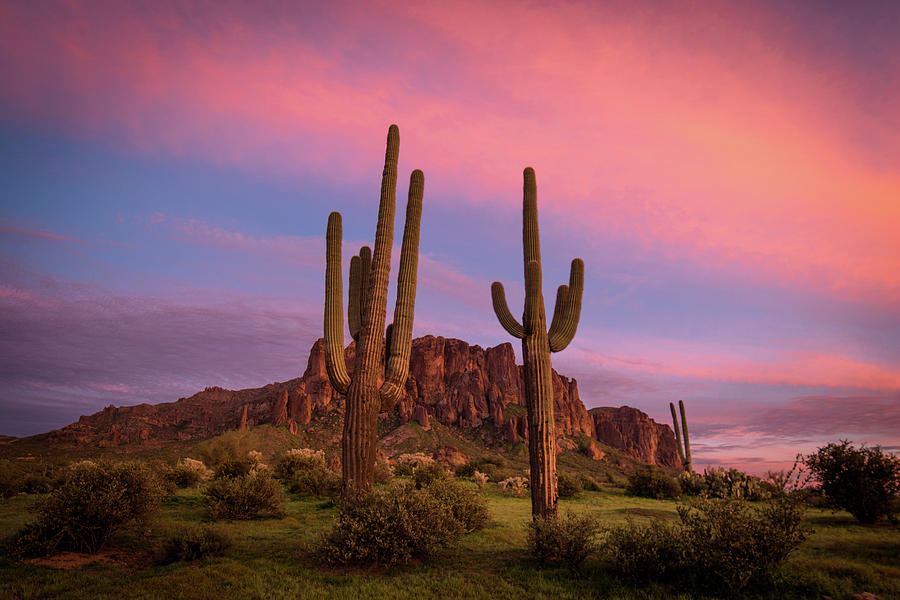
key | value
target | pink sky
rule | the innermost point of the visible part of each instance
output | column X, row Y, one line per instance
column 751, row 149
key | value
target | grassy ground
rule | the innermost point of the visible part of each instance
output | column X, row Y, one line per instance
column 273, row 559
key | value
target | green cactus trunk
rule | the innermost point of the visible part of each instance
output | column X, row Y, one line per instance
column 369, row 274
column 537, row 344
column 688, row 466
column 684, row 447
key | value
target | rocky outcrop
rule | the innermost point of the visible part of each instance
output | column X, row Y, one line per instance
column 450, row 381
column 637, row 434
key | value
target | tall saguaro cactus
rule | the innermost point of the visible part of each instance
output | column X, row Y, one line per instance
column 537, row 344
column 369, row 272
column 684, row 452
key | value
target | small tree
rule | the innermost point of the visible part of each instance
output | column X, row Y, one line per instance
column 865, row 481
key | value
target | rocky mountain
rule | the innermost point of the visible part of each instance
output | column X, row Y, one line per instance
column 479, row 391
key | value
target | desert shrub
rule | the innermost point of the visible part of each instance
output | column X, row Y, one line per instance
column 570, row 539
column 719, row 544
column 230, row 446
column 391, row 525
column 181, row 476
column 568, row 485
column 465, row 470
column 514, row 486
column 249, row 496
column 316, row 481
column 588, row 483
column 427, row 473
column 202, row 470
column 734, row 542
column 732, row 483
column 256, row 459
column 863, row 481
column 296, row 460
column 193, row 542
column 492, row 466
column 480, row 479
column 405, row 464
column 467, row 506
column 18, row 478
column 306, row 472
column 651, row 482
column 383, row 472
column 232, row 468
column 638, row 551
column 92, row 502
column 692, row 484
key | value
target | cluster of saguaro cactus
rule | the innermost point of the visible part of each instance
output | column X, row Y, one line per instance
column 369, row 272
column 684, row 451
column 537, row 344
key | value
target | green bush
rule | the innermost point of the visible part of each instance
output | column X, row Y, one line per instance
column 428, row 473
column 570, row 539
column 232, row 468
column 719, row 545
column 297, row 460
column 692, row 484
column 639, row 552
column 230, row 446
column 383, row 472
column 466, row 505
column 651, row 482
column 568, row 485
column 249, row 496
column 465, row 470
column 394, row 524
column 317, row 481
column 735, row 542
column 865, row 481
column 492, row 466
column 23, row 478
column 731, row 483
column 182, row 476
column 93, row 501
column 193, row 542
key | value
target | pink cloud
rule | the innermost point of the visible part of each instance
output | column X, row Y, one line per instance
column 719, row 362
column 694, row 134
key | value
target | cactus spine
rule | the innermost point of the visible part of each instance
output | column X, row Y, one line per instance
column 367, row 301
column 537, row 344
column 684, row 451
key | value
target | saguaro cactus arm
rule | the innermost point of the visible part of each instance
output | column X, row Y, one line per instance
column 334, row 308
column 399, row 342
column 353, row 299
column 565, row 317
column 501, row 309
column 359, row 290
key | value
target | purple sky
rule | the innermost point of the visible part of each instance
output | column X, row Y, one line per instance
column 729, row 174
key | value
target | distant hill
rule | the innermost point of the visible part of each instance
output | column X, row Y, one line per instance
column 458, row 396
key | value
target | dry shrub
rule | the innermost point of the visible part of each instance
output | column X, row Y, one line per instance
column 514, row 486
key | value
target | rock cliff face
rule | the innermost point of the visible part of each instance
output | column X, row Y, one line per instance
column 450, row 381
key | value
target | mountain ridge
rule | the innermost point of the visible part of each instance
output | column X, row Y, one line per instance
column 476, row 390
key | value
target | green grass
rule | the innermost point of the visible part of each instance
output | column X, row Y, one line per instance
column 274, row 558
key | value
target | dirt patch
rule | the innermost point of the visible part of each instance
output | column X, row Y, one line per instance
column 75, row 560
